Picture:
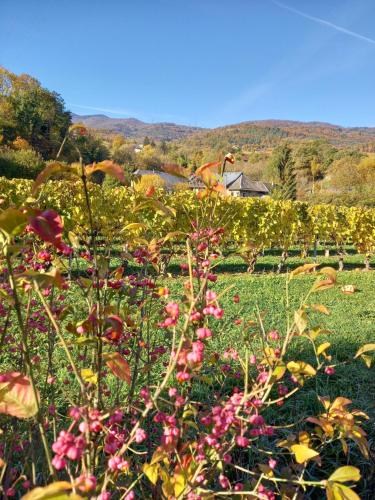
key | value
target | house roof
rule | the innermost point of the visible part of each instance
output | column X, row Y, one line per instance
column 238, row 181
column 233, row 181
column 169, row 179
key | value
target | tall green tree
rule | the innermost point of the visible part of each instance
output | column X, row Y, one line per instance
column 282, row 165
column 29, row 111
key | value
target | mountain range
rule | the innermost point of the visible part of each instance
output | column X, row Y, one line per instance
column 137, row 129
column 261, row 133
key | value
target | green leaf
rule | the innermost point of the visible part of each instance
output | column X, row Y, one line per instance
column 278, row 372
column 12, row 221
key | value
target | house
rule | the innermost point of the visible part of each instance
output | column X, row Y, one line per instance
column 237, row 183
column 138, row 148
column 170, row 181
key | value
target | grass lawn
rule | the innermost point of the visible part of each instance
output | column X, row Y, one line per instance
column 351, row 323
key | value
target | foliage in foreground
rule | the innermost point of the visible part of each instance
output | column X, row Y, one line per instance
column 143, row 406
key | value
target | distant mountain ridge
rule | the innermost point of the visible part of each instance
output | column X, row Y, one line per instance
column 261, row 133
column 264, row 134
column 137, row 129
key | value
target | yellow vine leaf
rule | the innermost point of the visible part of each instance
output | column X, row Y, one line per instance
column 303, row 453
column 151, row 471
column 336, row 491
column 344, row 474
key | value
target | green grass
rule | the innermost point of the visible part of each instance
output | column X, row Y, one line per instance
column 351, row 323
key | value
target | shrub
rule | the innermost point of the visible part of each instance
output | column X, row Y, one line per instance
column 20, row 163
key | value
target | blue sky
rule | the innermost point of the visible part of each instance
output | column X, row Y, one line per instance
column 199, row 62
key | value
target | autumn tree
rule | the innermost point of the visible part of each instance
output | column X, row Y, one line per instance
column 31, row 112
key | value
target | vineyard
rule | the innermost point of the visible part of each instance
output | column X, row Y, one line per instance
column 121, row 379
column 252, row 225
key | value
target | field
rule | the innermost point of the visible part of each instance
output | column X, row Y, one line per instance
column 136, row 366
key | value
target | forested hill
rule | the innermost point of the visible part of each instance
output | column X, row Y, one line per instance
column 136, row 129
column 260, row 134
column 269, row 133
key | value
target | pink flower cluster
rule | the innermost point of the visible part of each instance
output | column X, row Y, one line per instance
column 67, row 446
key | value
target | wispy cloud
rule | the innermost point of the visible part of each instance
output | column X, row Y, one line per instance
column 120, row 112
column 325, row 22
column 126, row 113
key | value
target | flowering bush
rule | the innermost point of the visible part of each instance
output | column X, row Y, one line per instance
column 110, row 386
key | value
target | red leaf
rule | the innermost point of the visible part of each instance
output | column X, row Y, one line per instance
column 108, row 167
column 115, row 327
column 17, row 396
column 119, row 366
column 48, row 225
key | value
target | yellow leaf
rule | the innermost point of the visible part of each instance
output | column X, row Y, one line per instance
column 367, row 360
column 303, row 453
column 133, row 226
column 336, row 491
column 89, row 376
column 323, row 347
column 344, row 474
column 54, row 491
column 306, row 268
column 330, row 272
column 278, row 372
column 180, row 482
column 151, row 471
column 300, row 319
column 301, row 367
column 320, row 308
column 365, row 348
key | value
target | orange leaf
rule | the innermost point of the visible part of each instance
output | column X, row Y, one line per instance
column 177, row 170
column 17, row 396
column 51, row 169
column 229, row 157
column 108, row 167
column 119, row 366
column 202, row 168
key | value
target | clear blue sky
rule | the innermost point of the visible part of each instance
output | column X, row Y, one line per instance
column 199, row 62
